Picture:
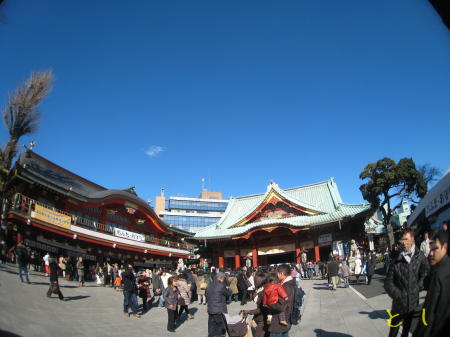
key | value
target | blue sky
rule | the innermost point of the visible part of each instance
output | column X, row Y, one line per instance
column 162, row 93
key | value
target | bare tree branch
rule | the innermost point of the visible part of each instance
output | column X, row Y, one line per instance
column 21, row 115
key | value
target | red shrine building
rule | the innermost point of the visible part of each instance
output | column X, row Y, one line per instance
column 54, row 210
column 278, row 225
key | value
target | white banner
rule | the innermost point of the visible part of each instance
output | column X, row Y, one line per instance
column 129, row 235
column 289, row 247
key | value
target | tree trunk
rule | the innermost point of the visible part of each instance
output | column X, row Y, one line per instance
column 390, row 233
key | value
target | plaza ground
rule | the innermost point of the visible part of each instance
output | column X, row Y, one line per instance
column 97, row 311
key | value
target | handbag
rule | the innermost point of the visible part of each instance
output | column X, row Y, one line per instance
column 248, row 283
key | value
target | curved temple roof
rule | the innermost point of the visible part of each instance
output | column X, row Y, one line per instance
column 322, row 200
column 35, row 167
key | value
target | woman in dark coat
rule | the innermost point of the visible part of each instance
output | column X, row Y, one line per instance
column 171, row 296
column 54, row 285
column 260, row 313
column 371, row 264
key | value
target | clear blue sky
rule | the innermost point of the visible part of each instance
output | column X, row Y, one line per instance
column 238, row 92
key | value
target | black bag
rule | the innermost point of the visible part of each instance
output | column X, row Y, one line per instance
column 248, row 283
column 297, row 304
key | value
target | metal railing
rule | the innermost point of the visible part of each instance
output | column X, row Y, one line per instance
column 25, row 205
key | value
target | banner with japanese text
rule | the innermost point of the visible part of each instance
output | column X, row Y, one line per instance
column 52, row 217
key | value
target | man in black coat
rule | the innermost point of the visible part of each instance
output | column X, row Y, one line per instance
column 289, row 285
column 436, row 309
column 404, row 281
column 243, row 286
column 216, row 295
column 23, row 258
column 158, row 287
column 130, row 292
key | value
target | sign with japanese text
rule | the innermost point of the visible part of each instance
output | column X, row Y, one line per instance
column 129, row 235
column 52, row 217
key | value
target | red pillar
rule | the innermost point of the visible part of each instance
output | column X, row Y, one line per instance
column 255, row 257
column 317, row 253
column 202, row 260
column 298, row 258
column 237, row 260
column 221, row 261
column 19, row 237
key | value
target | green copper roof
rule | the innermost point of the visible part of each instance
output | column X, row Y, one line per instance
column 322, row 197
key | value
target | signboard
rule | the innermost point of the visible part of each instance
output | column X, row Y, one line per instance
column 324, row 238
column 52, row 217
column 229, row 253
column 129, row 235
column 440, row 200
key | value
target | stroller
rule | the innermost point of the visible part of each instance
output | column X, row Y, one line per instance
column 236, row 325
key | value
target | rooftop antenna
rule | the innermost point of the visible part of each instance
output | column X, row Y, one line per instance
column 162, row 192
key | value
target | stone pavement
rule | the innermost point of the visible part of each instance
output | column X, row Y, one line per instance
column 97, row 311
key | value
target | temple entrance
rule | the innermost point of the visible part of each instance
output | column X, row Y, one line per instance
column 325, row 252
column 281, row 258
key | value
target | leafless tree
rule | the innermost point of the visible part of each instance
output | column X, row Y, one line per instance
column 21, row 115
column 430, row 173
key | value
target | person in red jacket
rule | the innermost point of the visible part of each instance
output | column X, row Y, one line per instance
column 274, row 293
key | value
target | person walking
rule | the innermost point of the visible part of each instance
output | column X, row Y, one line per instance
column 233, row 287
column 80, row 270
column 202, row 285
column 144, row 290
column 54, row 285
column 184, row 289
column 62, row 265
column 158, row 288
column 171, row 296
column 436, row 309
column 216, row 296
column 404, row 281
column 243, row 285
column 345, row 273
column 46, row 264
column 23, row 258
column 387, row 260
column 129, row 292
column 333, row 270
column 371, row 264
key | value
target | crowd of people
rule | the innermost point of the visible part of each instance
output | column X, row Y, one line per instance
column 411, row 269
column 275, row 289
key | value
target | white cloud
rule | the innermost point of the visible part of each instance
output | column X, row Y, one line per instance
column 154, row 150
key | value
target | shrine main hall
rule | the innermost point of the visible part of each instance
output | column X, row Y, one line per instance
column 278, row 225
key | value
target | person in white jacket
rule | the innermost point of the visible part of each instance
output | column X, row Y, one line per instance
column 425, row 245
column 46, row 264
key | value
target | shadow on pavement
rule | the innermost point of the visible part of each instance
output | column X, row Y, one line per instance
column 323, row 333
column 321, row 288
column 5, row 333
column 376, row 314
column 74, row 298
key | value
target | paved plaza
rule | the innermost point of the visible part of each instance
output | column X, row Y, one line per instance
column 97, row 311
